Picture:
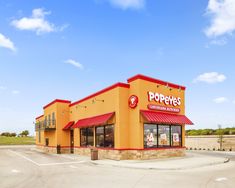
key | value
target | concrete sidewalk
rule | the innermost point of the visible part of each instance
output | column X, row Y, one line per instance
column 191, row 160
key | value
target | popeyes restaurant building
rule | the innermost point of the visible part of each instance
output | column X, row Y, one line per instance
column 141, row 119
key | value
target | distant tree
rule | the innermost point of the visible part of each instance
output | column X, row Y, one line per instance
column 13, row 134
column 206, row 132
column 24, row 133
column 232, row 131
column 5, row 134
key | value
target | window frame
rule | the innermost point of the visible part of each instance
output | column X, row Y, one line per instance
column 170, row 138
column 86, row 136
column 104, row 142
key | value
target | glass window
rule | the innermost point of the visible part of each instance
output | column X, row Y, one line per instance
column 53, row 118
column 163, row 135
column 175, row 135
column 49, row 120
column 83, row 138
column 90, row 137
column 99, row 136
column 109, row 136
column 150, row 135
column 45, row 122
column 39, row 135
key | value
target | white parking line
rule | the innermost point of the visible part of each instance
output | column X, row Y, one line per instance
column 45, row 164
column 221, row 179
column 15, row 171
column 26, row 158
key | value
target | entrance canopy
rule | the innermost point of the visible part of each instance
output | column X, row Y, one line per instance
column 165, row 118
column 68, row 125
column 94, row 121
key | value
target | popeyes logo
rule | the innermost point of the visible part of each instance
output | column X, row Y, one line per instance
column 166, row 99
column 133, row 101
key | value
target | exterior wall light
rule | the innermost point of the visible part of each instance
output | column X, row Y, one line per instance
column 80, row 106
column 94, row 100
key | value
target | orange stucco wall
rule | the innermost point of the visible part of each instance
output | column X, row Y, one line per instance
column 128, row 122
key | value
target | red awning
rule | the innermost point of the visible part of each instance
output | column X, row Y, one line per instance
column 93, row 121
column 165, row 118
column 68, row 125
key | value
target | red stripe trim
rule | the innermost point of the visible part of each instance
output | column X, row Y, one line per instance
column 119, row 84
column 39, row 117
column 154, row 80
column 56, row 100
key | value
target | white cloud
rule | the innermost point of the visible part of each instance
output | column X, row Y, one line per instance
column 3, row 88
column 15, row 92
column 219, row 42
column 74, row 63
column 6, row 43
column 125, row 4
column 222, row 14
column 234, row 102
column 210, row 77
column 220, row 100
column 36, row 22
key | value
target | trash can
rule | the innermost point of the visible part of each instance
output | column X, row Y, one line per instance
column 58, row 149
column 94, row 154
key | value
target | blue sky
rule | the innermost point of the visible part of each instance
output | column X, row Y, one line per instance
column 69, row 49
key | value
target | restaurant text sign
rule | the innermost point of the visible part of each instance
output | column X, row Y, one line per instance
column 163, row 108
column 166, row 99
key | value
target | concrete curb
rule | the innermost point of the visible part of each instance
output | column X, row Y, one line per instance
column 136, row 166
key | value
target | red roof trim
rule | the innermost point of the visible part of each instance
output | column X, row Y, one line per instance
column 154, row 80
column 119, row 84
column 39, row 117
column 56, row 100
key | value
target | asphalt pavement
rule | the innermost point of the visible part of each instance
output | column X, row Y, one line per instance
column 23, row 167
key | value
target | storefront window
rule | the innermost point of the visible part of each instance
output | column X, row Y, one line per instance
column 150, row 135
column 109, row 136
column 175, row 135
column 163, row 135
column 105, row 136
column 86, row 137
column 99, row 136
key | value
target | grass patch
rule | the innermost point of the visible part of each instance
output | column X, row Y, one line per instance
column 16, row 140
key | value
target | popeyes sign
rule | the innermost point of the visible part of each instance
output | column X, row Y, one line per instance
column 133, row 101
column 164, row 99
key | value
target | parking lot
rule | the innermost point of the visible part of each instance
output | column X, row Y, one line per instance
column 26, row 167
